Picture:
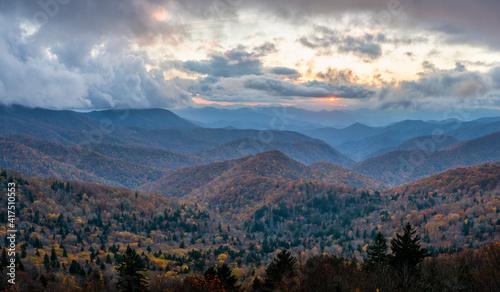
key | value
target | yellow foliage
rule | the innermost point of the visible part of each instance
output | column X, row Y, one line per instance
column 222, row 257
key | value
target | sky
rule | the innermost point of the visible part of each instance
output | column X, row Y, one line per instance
column 411, row 55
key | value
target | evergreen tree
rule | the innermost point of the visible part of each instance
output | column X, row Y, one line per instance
column 46, row 262
column 19, row 263
column 53, row 255
column 76, row 268
column 130, row 272
column 108, row 259
column 257, row 285
column 281, row 272
column 224, row 275
column 377, row 254
column 406, row 249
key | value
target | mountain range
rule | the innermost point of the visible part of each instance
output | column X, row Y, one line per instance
column 143, row 145
column 186, row 197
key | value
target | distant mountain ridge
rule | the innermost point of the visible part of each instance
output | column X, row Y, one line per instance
column 144, row 118
column 305, row 151
column 359, row 141
column 428, row 142
column 402, row 166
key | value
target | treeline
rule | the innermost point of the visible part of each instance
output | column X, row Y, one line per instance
column 407, row 267
column 401, row 265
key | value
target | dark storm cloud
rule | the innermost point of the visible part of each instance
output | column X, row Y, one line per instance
column 79, row 54
column 235, row 62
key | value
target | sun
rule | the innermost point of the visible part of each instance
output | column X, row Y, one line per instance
column 332, row 99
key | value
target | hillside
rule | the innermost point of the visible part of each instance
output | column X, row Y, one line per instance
column 305, row 152
column 428, row 142
column 360, row 141
column 247, row 182
column 36, row 157
column 336, row 137
column 402, row 166
column 87, row 226
column 338, row 175
column 122, row 127
column 272, row 165
column 143, row 118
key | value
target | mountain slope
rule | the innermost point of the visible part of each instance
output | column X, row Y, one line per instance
column 335, row 136
column 143, row 118
column 305, row 152
column 402, row 166
column 72, row 128
column 36, row 157
column 428, row 142
column 360, row 142
column 484, row 177
column 338, row 175
column 267, row 168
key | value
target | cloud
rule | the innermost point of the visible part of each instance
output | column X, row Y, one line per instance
column 322, row 38
column 326, row 40
column 94, row 54
column 338, row 76
column 84, row 54
column 443, row 88
column 261, row 88
column 232, row 63
column 363, row 47
column 459, row 20
column 284, row 71
column 265, row 49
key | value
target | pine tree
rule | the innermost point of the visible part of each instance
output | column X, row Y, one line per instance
column 257, row 285
column 130, row 272
column 108, row 259
column 406, row 249
column 225, row 277
column 377, row 254
column 46, row 262
column 281, row 272
column 19, row 263
column 53, row 255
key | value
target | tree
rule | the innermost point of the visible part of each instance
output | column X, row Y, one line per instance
column 377, row 254
column 76, row 268
column 281, row 272
column 257, row 285
column 46, row 262
column 130, row 272
column 224, row 276
column 406, row 249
